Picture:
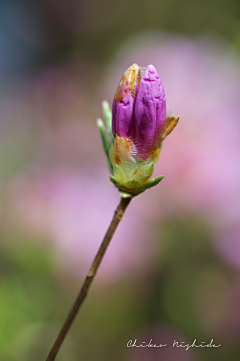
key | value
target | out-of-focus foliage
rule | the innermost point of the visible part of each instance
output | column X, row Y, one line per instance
column 172, row 270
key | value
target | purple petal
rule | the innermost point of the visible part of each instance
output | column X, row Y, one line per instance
column 150, row 108
column 122, row 119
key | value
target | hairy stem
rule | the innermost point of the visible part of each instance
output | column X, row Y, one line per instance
column 89, row 278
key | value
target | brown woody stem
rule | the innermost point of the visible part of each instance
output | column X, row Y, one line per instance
column 89, row 278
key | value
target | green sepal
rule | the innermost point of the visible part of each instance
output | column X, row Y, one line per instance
column 119, row 173
column 144, row 172
column 133, row 188
column 132, row 185
column 115, row 181
column 108, row 118
column 125, row 194
column 106, row 143
column 152, row 182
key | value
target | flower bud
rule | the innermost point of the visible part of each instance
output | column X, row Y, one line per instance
column 139, row 125
column 139, row 109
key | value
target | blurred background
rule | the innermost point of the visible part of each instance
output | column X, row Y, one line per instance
column 172, row 271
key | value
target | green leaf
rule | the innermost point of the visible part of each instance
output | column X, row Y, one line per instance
column 108, row 118
column 106, row 143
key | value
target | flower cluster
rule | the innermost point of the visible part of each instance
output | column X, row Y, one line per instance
column 135, row 131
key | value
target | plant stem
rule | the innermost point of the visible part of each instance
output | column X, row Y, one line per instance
column 124, row 202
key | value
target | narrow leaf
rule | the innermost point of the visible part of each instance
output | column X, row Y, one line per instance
column 108, row 118
column 105, row 142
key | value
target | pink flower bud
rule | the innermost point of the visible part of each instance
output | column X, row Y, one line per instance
column 139, row 125
column 139, row 109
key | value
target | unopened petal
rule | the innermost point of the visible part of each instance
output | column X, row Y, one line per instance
column 123, row 103
column 150, row 109
column 122, row 119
